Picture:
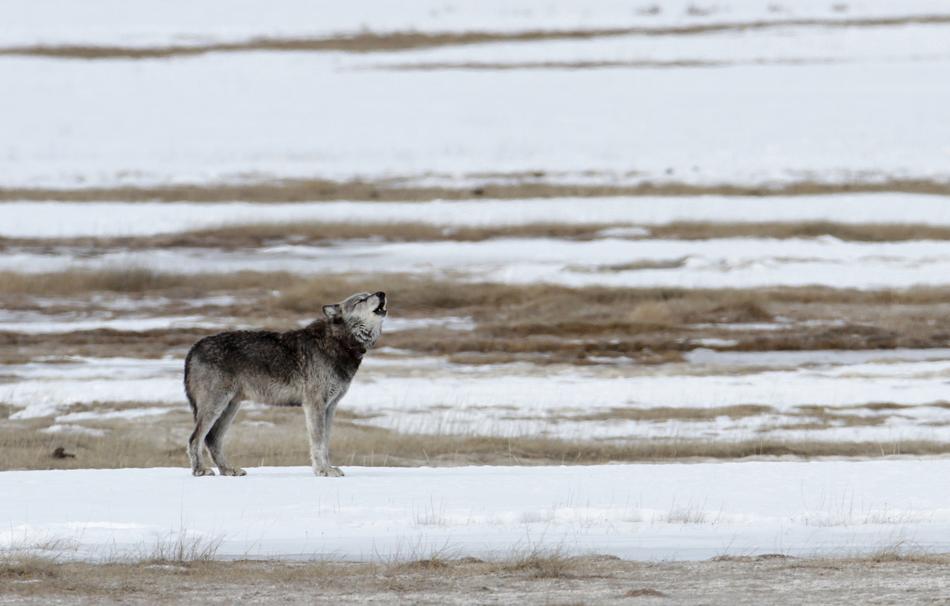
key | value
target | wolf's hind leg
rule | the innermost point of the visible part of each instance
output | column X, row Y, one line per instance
column 206, row 415
column 215, row 440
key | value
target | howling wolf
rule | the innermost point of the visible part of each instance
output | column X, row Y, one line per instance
column 312, row 366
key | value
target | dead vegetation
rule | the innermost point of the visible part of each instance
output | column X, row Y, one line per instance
column 425, row 294
column 311, row 233
column 539, row 578
column 668, row 413
column 272, row 437
column 505, row 187
column 533, row 322
column 370, row 42
column 596, row 64
column 256, row 235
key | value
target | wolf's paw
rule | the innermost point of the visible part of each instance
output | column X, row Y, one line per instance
column 329, row 472
column 233, row 471
column 204, row 471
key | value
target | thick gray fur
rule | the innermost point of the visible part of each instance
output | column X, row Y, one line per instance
column 312, row 366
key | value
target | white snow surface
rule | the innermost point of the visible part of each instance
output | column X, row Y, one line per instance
column 428, row 395
column 68, row 219
column 786, row 45
column 713, row 263
column 156, row 22
column 632, row 511
column 262, row 116
column 31, row 322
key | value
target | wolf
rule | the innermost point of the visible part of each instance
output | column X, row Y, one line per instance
column 312, row 366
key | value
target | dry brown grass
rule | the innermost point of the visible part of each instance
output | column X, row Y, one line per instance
column 533, row 322
column 26, row 566
column 417, row 293
column 255, row 235
column 275, row 439
column 541, row 563
column 368, row 42
column 668, row 413
column 182, row 548
column 134, row 280
column 507, row 187
column 865, row 232
column 540, row 580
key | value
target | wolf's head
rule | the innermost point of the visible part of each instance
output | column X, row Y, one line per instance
column 362, row 314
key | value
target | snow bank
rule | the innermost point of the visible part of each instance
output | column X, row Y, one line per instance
column 562, row 401
column 785, row 45
column 670, row 511
column 183, row 22
column 31, row 322
column 713, row 263
column 68, row 219
column 262, row 116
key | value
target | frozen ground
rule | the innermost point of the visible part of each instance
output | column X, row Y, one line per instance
column 303, row 115
column 619, row 257
column 154, row 22
column 66, row 219
column 786, row 45
column 647, row 512
column 37, row 323
column 784, row 104
column 617, row 402
column 34, row 322
column 713, row 263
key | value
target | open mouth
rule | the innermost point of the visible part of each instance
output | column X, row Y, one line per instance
column 381, row 309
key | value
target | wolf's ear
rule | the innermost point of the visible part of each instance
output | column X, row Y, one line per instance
column 332, row 311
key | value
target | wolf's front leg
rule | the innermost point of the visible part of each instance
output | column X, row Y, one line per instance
column 315, row 411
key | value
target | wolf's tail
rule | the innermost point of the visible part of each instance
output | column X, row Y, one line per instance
column 191, row 398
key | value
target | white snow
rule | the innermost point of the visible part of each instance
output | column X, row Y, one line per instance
column 155, row 22
column 105, row 415
column 261, row 116
column 74, row 429
column 45, row 388
column 713, row 263
column 786, row 45
column 31, row 322
column 446, row 322
column 806, row 358
column 632, row 511
column 429, row 395
column 65, row 219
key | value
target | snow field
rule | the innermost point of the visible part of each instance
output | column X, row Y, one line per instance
column 577, row 403
column 647, row 512
column 105, row 219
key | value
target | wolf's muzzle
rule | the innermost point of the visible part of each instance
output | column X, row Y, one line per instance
column 381, row 309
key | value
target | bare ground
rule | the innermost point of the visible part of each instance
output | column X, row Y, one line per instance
column 537, row 184
column 370, row 42
column 536, row 323
column 256, row 235
column 272, row 436
column 530, row 579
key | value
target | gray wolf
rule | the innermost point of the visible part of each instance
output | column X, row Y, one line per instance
column 312, row 366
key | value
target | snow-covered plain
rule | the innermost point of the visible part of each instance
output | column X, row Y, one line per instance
column 262, row 116
column 787, row 45
column 156, row 22
column 650, row 512
column 786, row 103
column 713, row 263
column 429, row 395
column 33, row 322
column 104, row 219
column 38, row 323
